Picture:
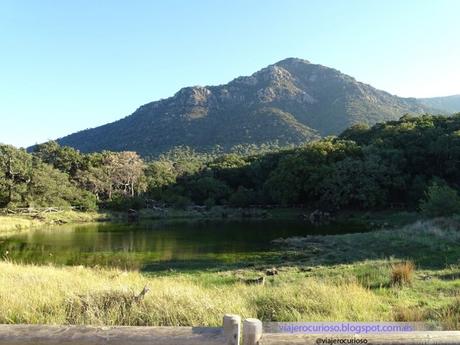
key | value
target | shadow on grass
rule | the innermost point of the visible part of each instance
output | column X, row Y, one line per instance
column 449, row 276
column 163, row 248
column 427, row 251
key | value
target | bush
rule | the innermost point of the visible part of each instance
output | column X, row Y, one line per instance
column 440, row 201
column 85, row 201
column 121, row 203
column 402, row 273
column 179, row 202
column 243, row 197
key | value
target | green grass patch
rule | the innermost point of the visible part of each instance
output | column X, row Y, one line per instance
column 27, row 221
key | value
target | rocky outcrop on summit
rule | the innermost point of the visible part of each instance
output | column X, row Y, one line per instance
column 292, row 101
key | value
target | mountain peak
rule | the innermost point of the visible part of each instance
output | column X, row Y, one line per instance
column 292, row 61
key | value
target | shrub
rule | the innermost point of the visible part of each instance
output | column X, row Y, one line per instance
column 402, row 273
column 243, row 197
column 179, row 202
column 440, row 200
column 121, row 203
column 85, row 201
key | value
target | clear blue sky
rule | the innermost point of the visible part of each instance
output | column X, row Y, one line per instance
column 71, row 65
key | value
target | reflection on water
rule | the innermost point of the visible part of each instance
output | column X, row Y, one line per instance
column 151, row 244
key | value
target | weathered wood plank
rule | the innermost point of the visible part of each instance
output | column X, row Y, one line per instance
column 232, row 329
column 408, row 338
column 86, row 335
column 252, row 331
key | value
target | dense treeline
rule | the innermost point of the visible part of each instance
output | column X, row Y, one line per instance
column 61, row 176
column 392, row 163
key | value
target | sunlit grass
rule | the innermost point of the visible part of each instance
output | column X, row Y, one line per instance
column 11, row 223
column 26, row 221
column 77, row 295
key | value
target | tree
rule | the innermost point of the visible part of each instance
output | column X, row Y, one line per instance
column 113, row 173
column 357, row 183
column 126, row 172
column 204, row 188
column 231, row 169
column 94, row 180
column 440, row 201
column 63, row 158
column 298, row 173
column 15, row 175
column 243, row 197
column 51, row 187
column 185, row 160
column 160, row 174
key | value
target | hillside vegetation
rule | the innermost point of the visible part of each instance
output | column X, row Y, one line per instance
column 449, row 104
column 393, row 164
column 290, row 102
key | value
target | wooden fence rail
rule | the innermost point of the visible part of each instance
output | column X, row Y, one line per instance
column 412, row 338
column 253, row 335
column 230, row 334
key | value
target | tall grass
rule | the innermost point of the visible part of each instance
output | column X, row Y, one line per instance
column 402, row 273
column 450, row 315
column 77, row 295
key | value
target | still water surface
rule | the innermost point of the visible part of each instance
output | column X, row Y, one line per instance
column 156, row 245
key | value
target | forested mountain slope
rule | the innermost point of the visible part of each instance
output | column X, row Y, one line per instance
column 291, row 101
column 450, row 104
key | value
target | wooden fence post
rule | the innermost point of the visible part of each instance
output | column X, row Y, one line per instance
column 252, row 331
column 232, row 329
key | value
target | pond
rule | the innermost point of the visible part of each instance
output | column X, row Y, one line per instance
column 158, row 245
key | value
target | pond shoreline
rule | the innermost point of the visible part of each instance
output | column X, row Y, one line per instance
column 313, row 275
column 20, row 222
column 24, row 221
